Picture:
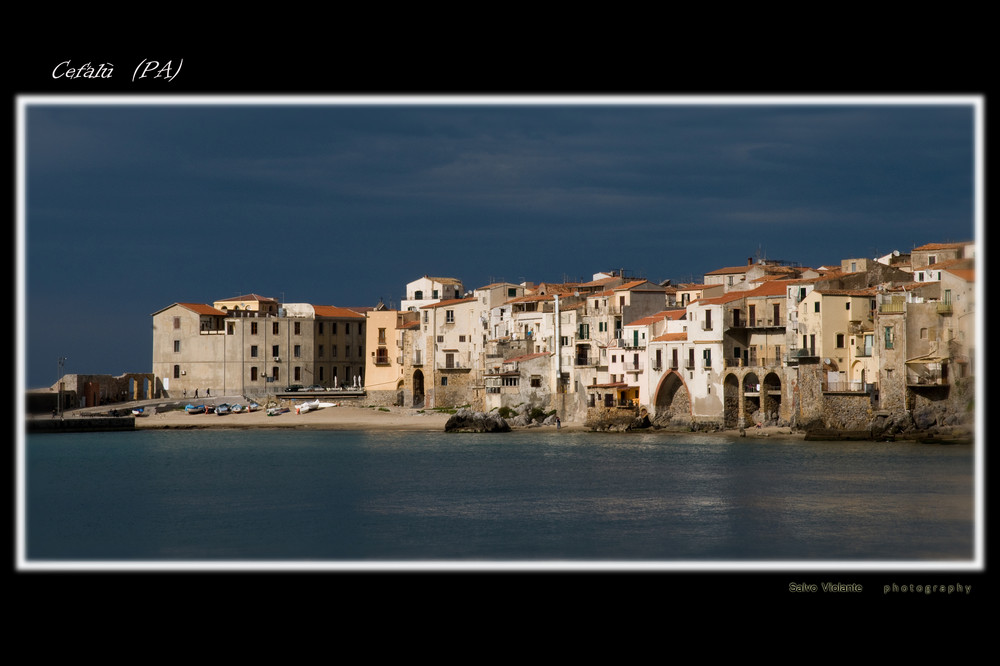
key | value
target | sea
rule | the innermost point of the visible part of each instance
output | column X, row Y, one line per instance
column 542, row 498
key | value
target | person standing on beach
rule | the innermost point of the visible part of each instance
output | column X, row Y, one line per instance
column 558, row 423
column 196, row 393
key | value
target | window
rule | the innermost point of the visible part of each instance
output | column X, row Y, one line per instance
column 440, row 338
column 381, row 356
column 320, row 325
column 230, row 328
column 449, row 316
column 321, row 373
column 444, row 381
column 816, row 306
column 708, row 320
column 333, row 328
column 275, row 351
column 536, row 381
column 854, row 267
column 584, row 332
column 253, row 328
column 297, row 351
column 888, row 337
column 177, row 345
column 274, row 373
column 253, row 351
column 347, row 329
column 298, row 328
column 840, row 340
column 274, row 328
column 434, row 293
column 511, row 292
column 381, row 336
column 253, row 373
column 177, row 372
column 177, row 322
column 564, row 341
column 707, row 357
column 461, row 338
column 298, row 373
column 418, row 295
column 932, row 259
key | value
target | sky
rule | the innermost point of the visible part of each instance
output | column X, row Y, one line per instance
column 129, row 206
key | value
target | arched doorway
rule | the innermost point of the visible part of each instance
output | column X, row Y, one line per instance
column 418, row 388
column 751, row 398
column 770, row 397
column 731, row 401
column 672, row 399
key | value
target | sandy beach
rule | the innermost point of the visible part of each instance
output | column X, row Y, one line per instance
column 348, row 417
column 328, row 418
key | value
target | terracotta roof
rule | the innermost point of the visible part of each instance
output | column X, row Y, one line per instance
column 869, row 291
column 652, row 319
column 409, row 324
column 942, row 246
column 944, row 264
column 729, row 269
column 334, row 311
column 636, row 283
column 202, row 309
column 671, row 337
column 453, row 301
column 967, row 274
column 247, row 297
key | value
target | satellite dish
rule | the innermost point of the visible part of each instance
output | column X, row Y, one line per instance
column 895, row 253
column 827, row 361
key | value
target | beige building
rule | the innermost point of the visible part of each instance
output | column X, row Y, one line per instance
column 252, row 352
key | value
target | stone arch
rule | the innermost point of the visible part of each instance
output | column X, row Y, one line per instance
column 731, row 401
column 770, row 397
column 671, row 398
column 751, row 398
column 418, row 388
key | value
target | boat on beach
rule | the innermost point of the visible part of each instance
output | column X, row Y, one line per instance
column 253, row 407
column 138, row 411
column 195, row 409
column 222, row 409
column 237, row 409
column 275, row 411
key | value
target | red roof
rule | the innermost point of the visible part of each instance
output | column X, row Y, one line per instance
column 333, row 311
column 671, row 337
column 453, row 301
column 202, row 309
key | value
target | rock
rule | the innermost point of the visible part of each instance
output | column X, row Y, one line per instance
column 465, row 420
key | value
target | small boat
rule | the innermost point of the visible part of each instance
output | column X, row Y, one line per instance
column 195, row 409
column 311, row 406
column 222, row 409
column 253, row 407
column 237, row 409
column 275, row 411
column 138, row 411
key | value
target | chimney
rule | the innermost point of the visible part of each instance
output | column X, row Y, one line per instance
column 749, row 261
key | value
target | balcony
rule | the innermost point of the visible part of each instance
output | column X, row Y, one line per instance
column 862, row 352
column 944, row 308
column 896, row 307
column 585, row 360
column 845, row 387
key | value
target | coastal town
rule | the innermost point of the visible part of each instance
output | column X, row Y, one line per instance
column 881, row 345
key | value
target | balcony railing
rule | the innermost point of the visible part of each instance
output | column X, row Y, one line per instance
column 861, row 352
column 926, row 378
column 896, row 307
column 944, row 308
column 585, row 360
column 845, row 387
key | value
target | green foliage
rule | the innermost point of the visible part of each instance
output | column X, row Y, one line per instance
column 506, row 412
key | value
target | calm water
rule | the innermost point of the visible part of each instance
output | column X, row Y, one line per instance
column 525, row 496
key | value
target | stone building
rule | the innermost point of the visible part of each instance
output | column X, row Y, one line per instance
column 255, row 351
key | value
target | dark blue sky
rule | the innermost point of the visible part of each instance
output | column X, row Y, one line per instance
column 129, row 208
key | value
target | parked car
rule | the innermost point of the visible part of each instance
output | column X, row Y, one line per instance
column 316, row 387
column 293, row 388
